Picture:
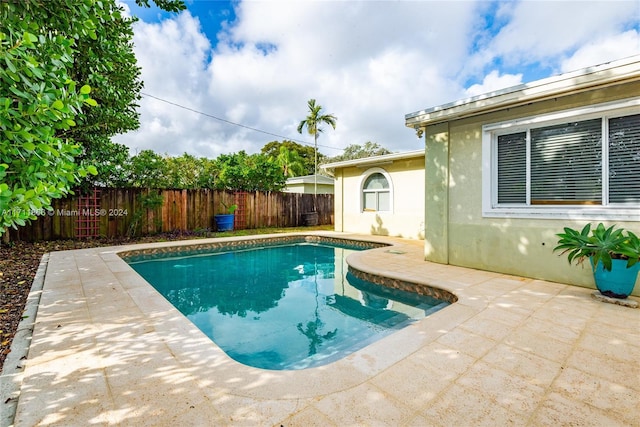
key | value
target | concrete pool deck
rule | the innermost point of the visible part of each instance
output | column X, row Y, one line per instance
column 107, row 349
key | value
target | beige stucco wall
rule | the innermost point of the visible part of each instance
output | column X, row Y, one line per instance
column 406, row 219
column 456, row 231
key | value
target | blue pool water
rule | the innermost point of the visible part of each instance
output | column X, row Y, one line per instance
column 283, row 307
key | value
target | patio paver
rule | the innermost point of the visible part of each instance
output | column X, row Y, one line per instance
column 107, row 349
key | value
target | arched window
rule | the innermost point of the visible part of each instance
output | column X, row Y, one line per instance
column 376, row 193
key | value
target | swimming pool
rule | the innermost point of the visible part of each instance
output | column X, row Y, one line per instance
column 286, row 306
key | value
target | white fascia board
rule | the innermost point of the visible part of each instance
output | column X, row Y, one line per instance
column 309, row 179
column 385, row 158
column 603, row 75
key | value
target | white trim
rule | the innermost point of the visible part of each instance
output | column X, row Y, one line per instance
column 585, row 113
column 490, row 132
column 375, row 160
column 489, row 173
column 592, row 214
column 309, row 179
column 363, row 178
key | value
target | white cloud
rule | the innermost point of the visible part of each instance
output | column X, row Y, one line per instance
column 369, row 63
column 538, row 30
column 126, row 10
column 603, row 50
column 493, row 82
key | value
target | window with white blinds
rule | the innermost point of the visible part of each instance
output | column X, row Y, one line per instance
column 594, row 162
column 566, row 163
column 624, row 159
column 512, row 168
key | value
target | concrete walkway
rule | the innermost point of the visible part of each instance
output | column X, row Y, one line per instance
column 107, row 349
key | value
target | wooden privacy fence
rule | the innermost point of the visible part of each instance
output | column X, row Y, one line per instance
column 125, row 212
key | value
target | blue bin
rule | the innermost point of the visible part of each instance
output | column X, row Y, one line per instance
column 224, row 222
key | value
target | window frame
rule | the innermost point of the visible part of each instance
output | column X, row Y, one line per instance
column 363, row 178
column 605, row 211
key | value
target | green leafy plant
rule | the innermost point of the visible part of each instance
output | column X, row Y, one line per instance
column 68, row 83
column 602, row 244
column 230, row 208
column 147, row 202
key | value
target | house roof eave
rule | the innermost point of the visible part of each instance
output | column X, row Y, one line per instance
column 374, row 160
column 598, row 76
column 309, row 179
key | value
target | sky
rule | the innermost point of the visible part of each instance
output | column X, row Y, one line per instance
column 224, row 76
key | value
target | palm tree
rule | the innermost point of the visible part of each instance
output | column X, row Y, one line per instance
column 290, row 161
column 312, row 122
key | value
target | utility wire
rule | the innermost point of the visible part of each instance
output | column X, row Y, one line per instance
column 234, row 123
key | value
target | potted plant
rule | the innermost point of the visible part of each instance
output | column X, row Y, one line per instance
column 614, row 254
column 224, row 222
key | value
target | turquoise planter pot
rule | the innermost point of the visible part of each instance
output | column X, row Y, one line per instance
column 617, row 283
column 224, row 222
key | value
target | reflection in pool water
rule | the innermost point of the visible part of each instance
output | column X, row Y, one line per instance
column 283, row 307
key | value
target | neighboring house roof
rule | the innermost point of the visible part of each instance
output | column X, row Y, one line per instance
column 309, row 179
column 375, row 160
column 599, row 76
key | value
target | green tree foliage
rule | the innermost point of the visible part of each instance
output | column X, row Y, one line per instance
column 108, row 64
column 256, row 172
column 210, row 170
column 183, row 171
column 52, row 54
column 355, row 151
column 168, row 5
column 238, row 171
column 112, row 163
column 290, row 162
column 147, row 169
column 313, row 122
column 305, row 152
column 39, row 102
